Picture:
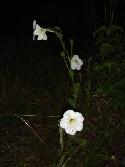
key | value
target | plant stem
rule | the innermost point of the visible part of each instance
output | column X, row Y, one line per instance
column 61, row 138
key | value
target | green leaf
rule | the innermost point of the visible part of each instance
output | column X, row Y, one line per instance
column 106, row 48
column 76, row 88
column 100, row 30
column 62, row 54
column 71, row 74
column 72, row 102
column 75, row 96
column 103, row 66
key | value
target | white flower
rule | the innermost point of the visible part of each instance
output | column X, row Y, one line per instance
column 40, row 32
column 76, row 63
column 72, row 122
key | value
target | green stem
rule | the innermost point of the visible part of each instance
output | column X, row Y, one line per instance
column 61, row 138
column 66, row 52
column 64, row 48
column 66, row 64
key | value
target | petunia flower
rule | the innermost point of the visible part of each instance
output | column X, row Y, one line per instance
column 72, row 122
column 40, row 32
column 76, row 63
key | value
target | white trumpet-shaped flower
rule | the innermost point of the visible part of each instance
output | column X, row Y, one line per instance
column 40, row 32
column 76, row 63
column 72, row 122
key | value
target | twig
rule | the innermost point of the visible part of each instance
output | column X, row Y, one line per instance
column 29, row 115
column 30, row 127
column 9, row 147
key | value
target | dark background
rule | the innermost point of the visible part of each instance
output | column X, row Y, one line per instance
column 77, row 19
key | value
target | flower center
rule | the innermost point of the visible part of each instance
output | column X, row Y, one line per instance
column 72, row 121
column 75, row 61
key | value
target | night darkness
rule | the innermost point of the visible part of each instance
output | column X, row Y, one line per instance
column 36, row 85
column 77, row 20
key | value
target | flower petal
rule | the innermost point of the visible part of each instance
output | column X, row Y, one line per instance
column 78, row 67
column 79, row 126
column 63, row 123
column 73, row 65
column 70, row 131
column 69, row 113
column 75, row 57
column 79, row 117
column 37, row 30
column 44, row 36
column 80, row 62
column 34, row 24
